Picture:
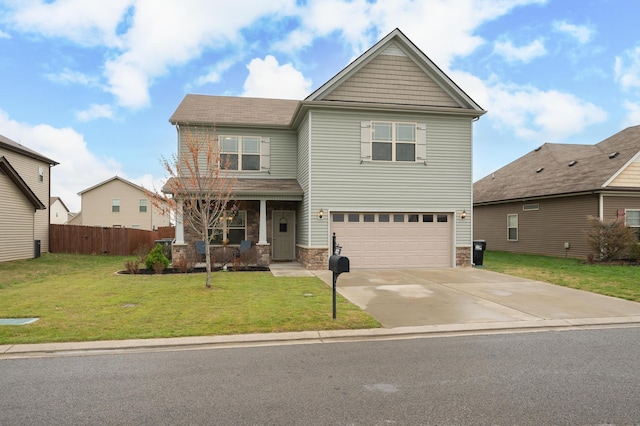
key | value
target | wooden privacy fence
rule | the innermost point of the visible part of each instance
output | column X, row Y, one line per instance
column 99, row 240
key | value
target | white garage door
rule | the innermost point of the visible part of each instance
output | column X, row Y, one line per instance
column 394, row 240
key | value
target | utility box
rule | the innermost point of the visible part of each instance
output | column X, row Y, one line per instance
column 36, row 248
column 338, row 264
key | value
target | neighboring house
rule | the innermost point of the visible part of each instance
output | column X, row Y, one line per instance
column 380, row 155
column 540, row 202
column 116, row 202
column 24, row 188
column 58, row 211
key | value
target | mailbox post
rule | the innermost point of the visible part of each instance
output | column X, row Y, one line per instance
column 337, row 264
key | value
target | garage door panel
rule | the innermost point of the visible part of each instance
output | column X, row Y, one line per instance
column 395, row 244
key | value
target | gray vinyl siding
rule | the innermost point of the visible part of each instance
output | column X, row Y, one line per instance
column 302, row 217
column 27, row 168
column 392, row 79
column 543, row 231
column 283, row 149
column 341, row 182
column 16, row 223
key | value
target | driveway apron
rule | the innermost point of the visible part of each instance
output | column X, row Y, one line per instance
column 416, row 297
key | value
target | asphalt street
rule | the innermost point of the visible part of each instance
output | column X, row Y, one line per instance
column 544, row 377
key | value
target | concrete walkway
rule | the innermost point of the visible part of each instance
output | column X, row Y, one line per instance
column 408, row 303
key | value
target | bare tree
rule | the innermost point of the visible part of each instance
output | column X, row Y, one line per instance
column 200, row 185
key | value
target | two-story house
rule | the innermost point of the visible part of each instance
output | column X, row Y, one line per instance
column 58, row 211
column 380, row 155
column 116, row 202
column 25, row 185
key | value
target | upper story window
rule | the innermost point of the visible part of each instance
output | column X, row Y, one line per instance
column 143, row 205
column 115, row 205
column 393, row 141
column 40, row 174
column 240, row 152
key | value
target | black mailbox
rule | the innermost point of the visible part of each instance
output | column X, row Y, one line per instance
column 338, row 264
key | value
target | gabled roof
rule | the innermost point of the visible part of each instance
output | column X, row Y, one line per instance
column 556, row 169
column 110, row 180
column 439, row 94
column 54, row 199
column 11, row 173
column 397, row 44
column 16, row 147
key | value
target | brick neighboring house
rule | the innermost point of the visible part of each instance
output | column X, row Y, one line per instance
column 380, row 155
column 25, row 185
column 539, row 203
column 116, row 202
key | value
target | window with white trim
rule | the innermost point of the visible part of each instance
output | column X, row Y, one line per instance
column 240, row 152
column 632, row 220
column 392, row 141
column 143, row 205
column 512, row 227
column 115, row 205
column 232, row 228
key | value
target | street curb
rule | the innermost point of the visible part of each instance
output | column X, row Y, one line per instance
column 305, row 337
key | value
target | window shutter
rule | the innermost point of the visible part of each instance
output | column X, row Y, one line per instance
column 265, row 154
column 365, row 140
column 421, row 142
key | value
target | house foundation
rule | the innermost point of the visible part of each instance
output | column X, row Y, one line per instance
column 313, row 258
column 463, row 256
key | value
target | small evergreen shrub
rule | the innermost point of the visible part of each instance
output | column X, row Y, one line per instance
column 156, row 259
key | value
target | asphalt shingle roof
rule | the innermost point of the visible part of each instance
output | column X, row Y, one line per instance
column 221, row 110
column 546, row 171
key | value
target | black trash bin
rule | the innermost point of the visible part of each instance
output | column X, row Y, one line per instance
column 479, row 246
column 36, row 248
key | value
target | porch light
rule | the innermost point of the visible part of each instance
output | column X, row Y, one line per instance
column 463, row 214
column 320, row 214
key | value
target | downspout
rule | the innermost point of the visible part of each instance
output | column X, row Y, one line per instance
column 309, row 215
column 601, row 206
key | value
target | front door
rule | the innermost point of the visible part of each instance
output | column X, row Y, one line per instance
column 284, row 239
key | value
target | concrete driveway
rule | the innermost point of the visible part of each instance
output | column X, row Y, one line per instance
column 421, row 297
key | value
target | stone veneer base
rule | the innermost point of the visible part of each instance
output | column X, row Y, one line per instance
column 313, row 258
column 463, row 256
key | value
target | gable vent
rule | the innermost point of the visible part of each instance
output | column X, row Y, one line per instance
column 613, row 154
column 573, row 163
column 540, row 169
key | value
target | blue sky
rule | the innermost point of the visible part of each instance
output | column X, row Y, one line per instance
column 92, row 84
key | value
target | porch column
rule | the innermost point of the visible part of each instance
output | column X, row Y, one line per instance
column 262, row 237
column 179, row 225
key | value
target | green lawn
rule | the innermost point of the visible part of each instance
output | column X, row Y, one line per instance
column 611, row 280
column 80, row 298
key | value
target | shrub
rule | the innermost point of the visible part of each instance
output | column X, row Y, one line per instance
column 182, row 265
column 132, row 266
column 156, row 259
column 634, row 252
column 609, row 239
column 141, row 252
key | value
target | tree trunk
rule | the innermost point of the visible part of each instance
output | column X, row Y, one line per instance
column 207, row 257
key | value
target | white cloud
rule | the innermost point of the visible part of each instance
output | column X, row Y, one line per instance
column 78, row 169
column 524, row 54
column 83, row 22
column 627, row 69
column 67, row 76
column 531, row 113
column 268, row 79
column 582, row 33
column 215, row 73
column 95, row 111
column 633, row 114
column 4, row 35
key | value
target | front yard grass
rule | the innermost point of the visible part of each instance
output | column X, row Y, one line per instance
column 80, row 298
column 621, row 281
